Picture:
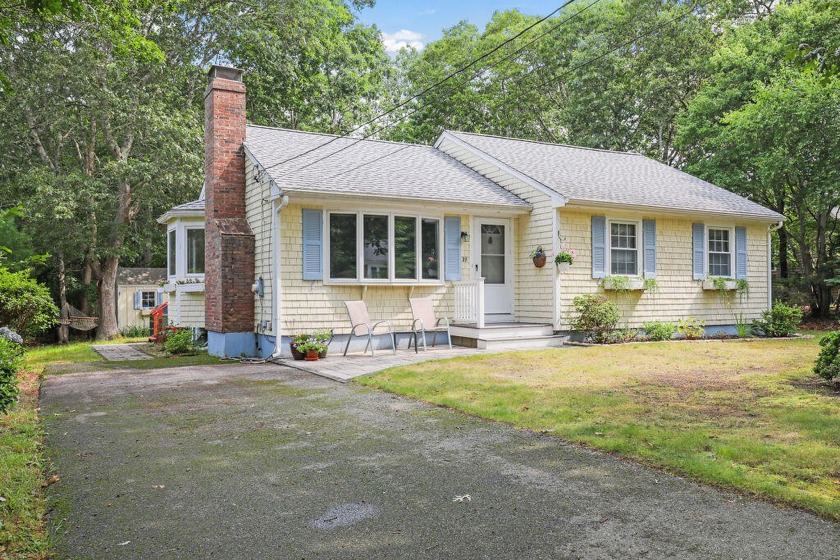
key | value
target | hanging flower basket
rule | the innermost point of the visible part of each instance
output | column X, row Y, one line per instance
column 538, row 256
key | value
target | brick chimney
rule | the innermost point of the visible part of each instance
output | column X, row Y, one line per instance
column 229, row 241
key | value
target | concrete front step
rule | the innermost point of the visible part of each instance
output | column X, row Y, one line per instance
column 499, row 331
column 518, row 343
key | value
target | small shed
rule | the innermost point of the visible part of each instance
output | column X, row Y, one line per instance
column 138, row 292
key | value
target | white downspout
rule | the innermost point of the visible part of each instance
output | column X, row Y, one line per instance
column 770, row 229
column 279, row 203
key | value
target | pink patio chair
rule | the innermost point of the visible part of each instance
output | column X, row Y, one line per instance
column 361, row 326
column 425, row 321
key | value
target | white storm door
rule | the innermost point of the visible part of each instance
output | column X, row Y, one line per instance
column 493, row 260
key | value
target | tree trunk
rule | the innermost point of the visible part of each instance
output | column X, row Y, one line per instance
column 63, row 330
column 108, row 327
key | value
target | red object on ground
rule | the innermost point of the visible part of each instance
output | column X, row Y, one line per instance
column 157, row 321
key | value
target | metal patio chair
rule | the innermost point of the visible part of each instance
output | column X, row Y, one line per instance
column 361, row 326
column 423, row 312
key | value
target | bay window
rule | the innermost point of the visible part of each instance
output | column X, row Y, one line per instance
column 170, row 252
column 195, row 251
column 371, row 247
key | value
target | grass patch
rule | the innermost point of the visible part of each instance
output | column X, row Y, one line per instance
column 744, row 415
column 22, row 522
column 200, row 359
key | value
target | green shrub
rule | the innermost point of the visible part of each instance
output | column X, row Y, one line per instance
column 780, row 320
column 827, row 365
column 136, row 332
column 623, row 335
column 691, row 328
column 659, row 330
column 11, row 358
column 596, row 317
column 179, row 341
column 25, row 305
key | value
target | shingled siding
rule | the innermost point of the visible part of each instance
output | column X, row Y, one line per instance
column 534, row 288
column 679, row 295
column 258, row 209
column 310, row 304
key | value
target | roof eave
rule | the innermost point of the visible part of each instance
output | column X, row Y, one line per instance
column 299, row 195
column 175, row 214
column 769, row 218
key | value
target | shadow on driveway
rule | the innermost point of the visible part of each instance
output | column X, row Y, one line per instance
column 268, row 462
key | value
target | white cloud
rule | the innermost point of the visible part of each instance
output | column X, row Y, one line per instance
column 429, row 12
column 402, row 39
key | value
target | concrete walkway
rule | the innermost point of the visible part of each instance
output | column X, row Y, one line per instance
column 120, row 352
column 264, row 461
column 344, row 368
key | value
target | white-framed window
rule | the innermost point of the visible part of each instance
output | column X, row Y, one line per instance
column 148, row 299
column 719, row 243
column 625, row 247
column 185, row 250
column 171, row 252
column 195, row 250
column 382, row 247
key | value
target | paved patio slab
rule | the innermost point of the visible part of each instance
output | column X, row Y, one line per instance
column 344, row 368
column 120, row 352
column 269, row 462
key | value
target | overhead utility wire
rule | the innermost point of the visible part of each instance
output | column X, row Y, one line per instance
column 649, row 33
column 427, row 89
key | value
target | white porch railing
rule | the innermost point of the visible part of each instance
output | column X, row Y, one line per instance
column 469, row 302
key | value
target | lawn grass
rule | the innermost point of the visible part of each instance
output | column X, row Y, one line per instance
column 746, row 415
column 22, row 523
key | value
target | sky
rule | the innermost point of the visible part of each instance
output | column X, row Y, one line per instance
column 416, row 23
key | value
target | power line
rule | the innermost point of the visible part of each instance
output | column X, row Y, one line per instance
column 650, row 32
column 427, row 89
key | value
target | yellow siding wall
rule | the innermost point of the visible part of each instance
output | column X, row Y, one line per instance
column 258, row 210
column 308, row 305
column 128, row 316
column 534, row 288
column 186, row 309
column 678, row 296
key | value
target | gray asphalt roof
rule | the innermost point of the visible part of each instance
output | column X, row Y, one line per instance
column 189, row 206
column 371, row 168
column 585, row 175
column 140, row 276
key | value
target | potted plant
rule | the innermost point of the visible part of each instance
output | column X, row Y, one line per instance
column 564, row 259
column 296, row 344
column 538, row 256
column 323, row 336
column 312, row 349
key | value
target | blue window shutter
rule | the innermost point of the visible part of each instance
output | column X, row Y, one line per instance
column 599, row 247
column 138, row 299
column 698, row 236
column 452, row 248
column 158, row 298
column 741, row 252
column 649, row 247
column 312, row 245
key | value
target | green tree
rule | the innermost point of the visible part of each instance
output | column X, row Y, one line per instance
column 767, row 125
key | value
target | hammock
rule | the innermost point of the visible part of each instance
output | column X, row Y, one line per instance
column 75, row 319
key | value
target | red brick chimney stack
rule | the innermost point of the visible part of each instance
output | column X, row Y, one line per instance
column 229, row 241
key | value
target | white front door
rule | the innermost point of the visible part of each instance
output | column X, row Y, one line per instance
column 493, row 259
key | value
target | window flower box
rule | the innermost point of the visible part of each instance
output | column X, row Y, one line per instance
column 727, row 285
column 623, row 283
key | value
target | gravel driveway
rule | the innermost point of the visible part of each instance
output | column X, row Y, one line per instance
column 267, row 462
